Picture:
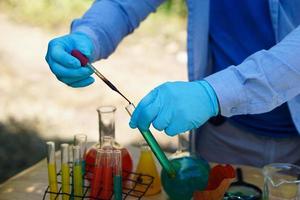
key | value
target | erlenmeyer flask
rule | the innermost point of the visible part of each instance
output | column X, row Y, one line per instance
column 147, row 166
column 182, row 147
column 106, row 115
column 192, row 172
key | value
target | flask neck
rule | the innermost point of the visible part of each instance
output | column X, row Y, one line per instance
column 183, row 143
column 182, row 147
column 106, row 118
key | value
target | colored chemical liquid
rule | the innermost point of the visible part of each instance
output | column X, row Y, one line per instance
column 65, row 181
column 203, row 162
column 77, row 182
column 96, row 182
column 52, row 180
column 83, row 166
column 191, row 175
column 90, row 159
column 159, row 154
column 146, row 165
column 127, row 163
column 107, row 183
column 117, row 188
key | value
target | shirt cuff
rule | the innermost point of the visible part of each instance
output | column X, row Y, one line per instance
column 229, row 90
column 90, row 33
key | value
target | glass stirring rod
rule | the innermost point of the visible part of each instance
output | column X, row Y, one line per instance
column 148, row 136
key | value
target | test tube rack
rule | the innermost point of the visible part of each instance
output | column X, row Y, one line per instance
column 129, row 190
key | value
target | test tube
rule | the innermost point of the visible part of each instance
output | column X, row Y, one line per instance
column 52, row 170
column 80, row 140
column 77, row 173
column 97, row 174
column 117, row 155
column 159, row 154
column 71, row 153
column 107, row 182
column 71, row 161
column 65, row 171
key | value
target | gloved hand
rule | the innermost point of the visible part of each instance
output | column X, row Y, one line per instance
column 176, row 107
column 66, row 67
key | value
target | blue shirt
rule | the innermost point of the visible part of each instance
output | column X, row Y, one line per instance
column 251, row 87
column 234, row 36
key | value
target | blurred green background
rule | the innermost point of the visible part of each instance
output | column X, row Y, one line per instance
column 37, row 107
column 57, row 13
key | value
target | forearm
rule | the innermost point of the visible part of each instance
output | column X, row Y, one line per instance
column 263, row 81
column 108, row 21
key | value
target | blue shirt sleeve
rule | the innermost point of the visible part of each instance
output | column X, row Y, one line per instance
column 263, row 81
column 108, row 21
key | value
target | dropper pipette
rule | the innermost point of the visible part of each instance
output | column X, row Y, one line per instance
column 148, row 136
column 85, row 62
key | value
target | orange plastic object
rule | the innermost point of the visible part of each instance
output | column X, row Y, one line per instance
column 219, row 180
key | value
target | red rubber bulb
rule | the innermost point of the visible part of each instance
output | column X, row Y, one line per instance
column 82, row 58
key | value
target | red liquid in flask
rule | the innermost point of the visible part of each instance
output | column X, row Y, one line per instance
column 106, row 115
column 127, row 164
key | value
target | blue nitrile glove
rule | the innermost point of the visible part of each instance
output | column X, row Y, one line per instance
column 66, row 67
column 176, row 107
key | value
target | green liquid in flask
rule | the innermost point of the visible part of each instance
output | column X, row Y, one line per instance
column 191, row 175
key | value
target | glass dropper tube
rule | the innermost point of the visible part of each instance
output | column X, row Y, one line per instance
column 159, row 154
